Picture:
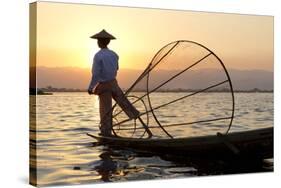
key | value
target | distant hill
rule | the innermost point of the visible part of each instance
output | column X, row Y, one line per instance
column 79, row 78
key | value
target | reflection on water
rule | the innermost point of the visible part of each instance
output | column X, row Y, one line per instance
column 66, row 155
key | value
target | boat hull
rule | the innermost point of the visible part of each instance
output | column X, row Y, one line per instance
column 248, row 144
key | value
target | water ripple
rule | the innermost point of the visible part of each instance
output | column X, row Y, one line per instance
column 66, row 155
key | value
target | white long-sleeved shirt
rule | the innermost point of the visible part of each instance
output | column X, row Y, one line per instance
column 105, row 66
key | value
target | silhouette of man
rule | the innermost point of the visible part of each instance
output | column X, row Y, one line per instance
column 104, row 83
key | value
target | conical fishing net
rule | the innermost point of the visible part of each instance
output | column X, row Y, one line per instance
column 184, row 91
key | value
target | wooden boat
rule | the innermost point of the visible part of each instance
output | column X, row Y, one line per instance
column 256, row 144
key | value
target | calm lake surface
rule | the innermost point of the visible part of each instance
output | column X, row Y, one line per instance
column 66, row 155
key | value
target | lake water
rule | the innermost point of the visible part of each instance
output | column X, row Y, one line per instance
column 66, row 155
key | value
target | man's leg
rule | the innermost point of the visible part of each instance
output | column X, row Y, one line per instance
column 124, row 103
column 106, row 113
column 127, row 106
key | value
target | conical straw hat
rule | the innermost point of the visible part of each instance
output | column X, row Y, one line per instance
column 102, row 34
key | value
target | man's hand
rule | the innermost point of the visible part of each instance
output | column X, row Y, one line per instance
column 90, row 91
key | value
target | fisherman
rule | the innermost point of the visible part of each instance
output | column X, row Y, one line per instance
column 104, row 83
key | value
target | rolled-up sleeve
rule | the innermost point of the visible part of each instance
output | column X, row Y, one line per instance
column 96, row 71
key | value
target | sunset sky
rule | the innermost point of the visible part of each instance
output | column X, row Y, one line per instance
column 63, row 31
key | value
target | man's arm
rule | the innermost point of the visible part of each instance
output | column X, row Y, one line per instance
column 117, row 62
column 96, row 69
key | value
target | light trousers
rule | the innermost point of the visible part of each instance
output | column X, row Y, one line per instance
column 106, row 91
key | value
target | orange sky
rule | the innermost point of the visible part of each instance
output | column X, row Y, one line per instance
column 63, row 30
